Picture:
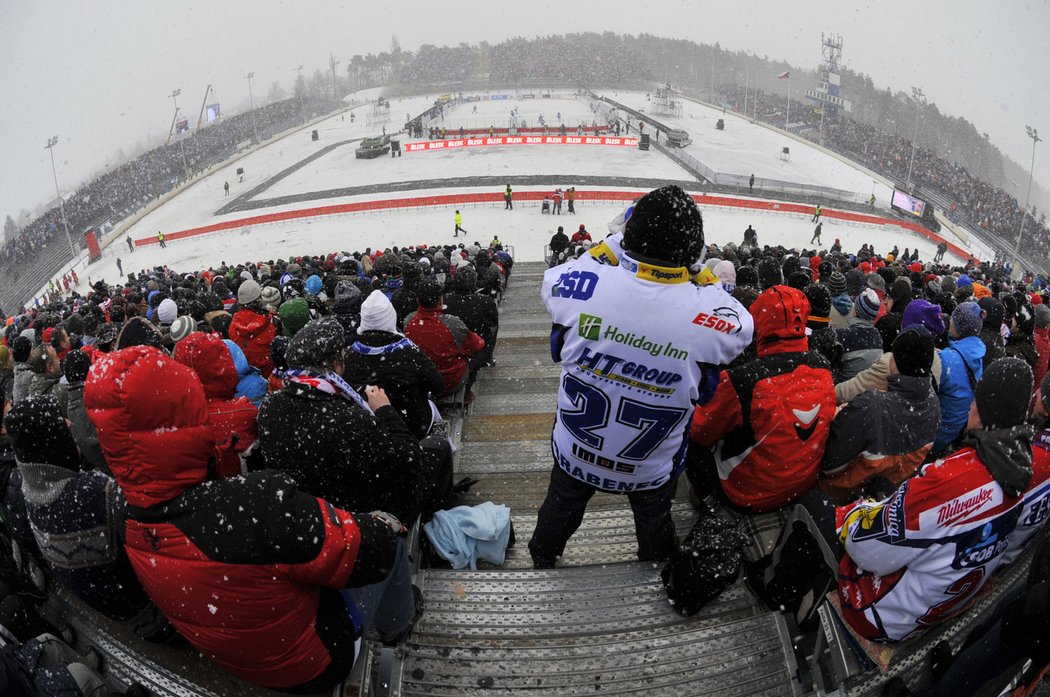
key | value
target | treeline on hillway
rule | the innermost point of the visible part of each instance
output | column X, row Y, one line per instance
column 608, row 60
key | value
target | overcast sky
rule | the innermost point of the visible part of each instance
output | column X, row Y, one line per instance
column 98, row 74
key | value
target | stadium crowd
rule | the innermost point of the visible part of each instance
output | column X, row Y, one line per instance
column 900, row 403
column 975, row 202
column 286, row 402
column 254, row 440
column 126, row 188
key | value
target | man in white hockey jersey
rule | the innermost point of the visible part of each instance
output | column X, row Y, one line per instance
column 640, row 345
column 920, row 556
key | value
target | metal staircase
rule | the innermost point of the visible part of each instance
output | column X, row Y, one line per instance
column 600, row 623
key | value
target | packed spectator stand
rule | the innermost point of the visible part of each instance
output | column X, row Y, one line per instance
column 284, row 354
column 126, row 188
column 979, row 205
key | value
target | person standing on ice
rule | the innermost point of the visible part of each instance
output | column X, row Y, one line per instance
column 226, row 188
column 459, row 225
column 508, row 199
column 120, row 267
column 816, row 234
column 630, row 380
column 131, row 245
column 816, row 213
column 160, row 239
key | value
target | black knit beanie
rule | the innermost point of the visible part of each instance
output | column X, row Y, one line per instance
column 768, row 274
column 747, row 276
column 139, row 332
column 1003, row 392
column 913, row 351
column 76, row 366
column 819, row 300
column 666, row 225
column 39, row 433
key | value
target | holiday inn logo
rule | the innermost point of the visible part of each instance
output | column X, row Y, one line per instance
column 590, row 326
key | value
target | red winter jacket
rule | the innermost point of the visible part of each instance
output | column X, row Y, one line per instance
column 446, row 341
column 1042, row 347
column 247, row 569
column 254, row 333
column 768, row 422
column 236, row 429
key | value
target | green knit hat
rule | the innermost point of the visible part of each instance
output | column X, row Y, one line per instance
column 294, row 315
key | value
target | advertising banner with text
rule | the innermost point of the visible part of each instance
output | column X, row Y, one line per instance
column 518, row 140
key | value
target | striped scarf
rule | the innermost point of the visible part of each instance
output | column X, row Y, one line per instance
column 329, row 383
column 365, row 350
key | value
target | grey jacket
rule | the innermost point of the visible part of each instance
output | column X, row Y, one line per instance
column 23, row 376
column 83, row 429
column 54, row 385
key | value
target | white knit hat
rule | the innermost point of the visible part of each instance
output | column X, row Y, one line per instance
column 167, row 311
column 182, row 327
column 377, row 313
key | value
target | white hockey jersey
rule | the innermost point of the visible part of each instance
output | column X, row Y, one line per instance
column 633, row 339
column 919, row 557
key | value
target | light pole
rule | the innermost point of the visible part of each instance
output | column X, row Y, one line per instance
column 251, row 101
column 174, row 119
column 298, row 80
column 1034, row 135
column 50, row 147
column 920, row 101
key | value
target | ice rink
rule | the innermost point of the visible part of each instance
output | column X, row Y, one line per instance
column 742, row 147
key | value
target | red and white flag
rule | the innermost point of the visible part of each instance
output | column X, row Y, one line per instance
column 784, row 75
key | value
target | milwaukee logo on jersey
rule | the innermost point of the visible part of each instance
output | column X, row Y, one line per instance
column 959, row 508
column 590, row 328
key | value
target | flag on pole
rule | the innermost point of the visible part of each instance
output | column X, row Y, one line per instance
column 784, row 75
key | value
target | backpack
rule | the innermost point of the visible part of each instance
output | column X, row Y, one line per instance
column 797, row 574
column 707, row 563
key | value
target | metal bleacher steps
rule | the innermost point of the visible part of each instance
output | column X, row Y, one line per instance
column 600, row 622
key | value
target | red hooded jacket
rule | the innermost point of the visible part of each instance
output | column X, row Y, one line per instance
column 254, row 333
column 248, row 568
column 236, row 429
column 768, row 422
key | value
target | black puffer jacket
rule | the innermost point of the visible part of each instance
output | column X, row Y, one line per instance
column 402, row 369
column 883, row 435
column 336, row 450
column 405, row 302
column 479, row 312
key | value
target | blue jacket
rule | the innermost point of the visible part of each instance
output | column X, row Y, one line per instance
column 954, row 389
column 249, row 383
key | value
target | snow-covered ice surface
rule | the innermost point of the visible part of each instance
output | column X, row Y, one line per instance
column 339, row 168
column 524, row 228
column 747, row 147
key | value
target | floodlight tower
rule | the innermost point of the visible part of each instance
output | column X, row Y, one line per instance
column 251, row 102
column 1034, row 135
column 50, row 147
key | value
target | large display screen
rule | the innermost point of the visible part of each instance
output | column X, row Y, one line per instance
column 908, row 204
column 213, row 112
